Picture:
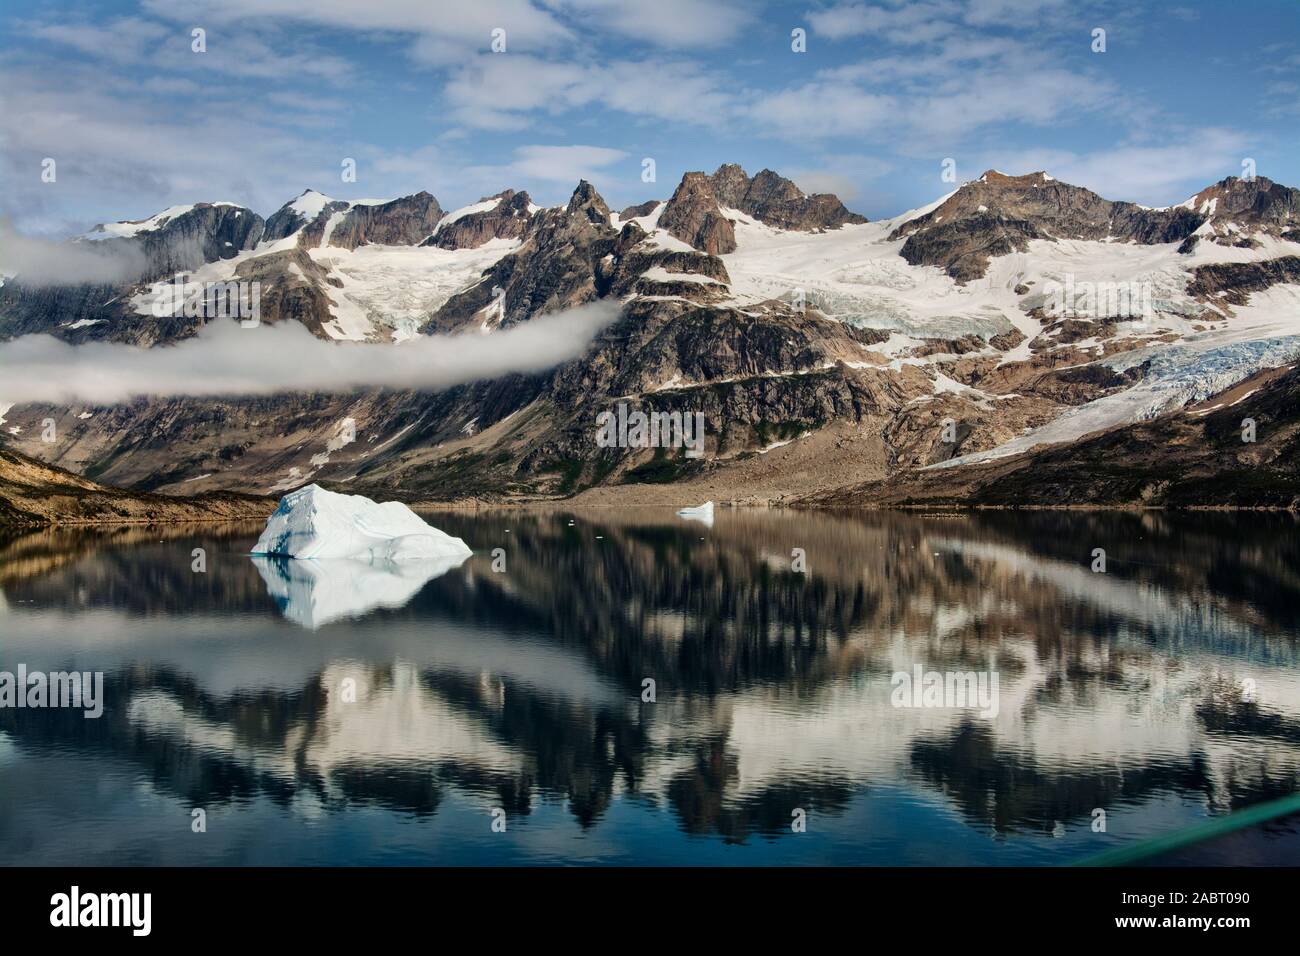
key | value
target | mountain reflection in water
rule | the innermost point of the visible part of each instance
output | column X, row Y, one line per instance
column 377, row 715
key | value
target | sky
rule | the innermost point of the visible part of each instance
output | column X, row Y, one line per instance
column 413, row 92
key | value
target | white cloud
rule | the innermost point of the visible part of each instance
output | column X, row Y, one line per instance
column 443, row 32
column 1150, row 175
column 226, row 359
column 131, row 41
column 668, row 23
column 512, row 92
column 840, row 174
column 40, row 262
column 910, row 25
column 565, row 164
column 824, row 110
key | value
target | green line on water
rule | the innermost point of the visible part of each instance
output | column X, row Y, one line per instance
column 1219, row 826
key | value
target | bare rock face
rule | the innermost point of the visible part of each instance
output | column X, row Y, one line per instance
column 205, row 233
column 587, row 203
column 636, row 212
column 313, row 233
column 778, row 202
column 694, row 216
column 1238, row 210
column 554, row 268
column 1233, row 282
column 509, row 219
column 402, row 222
column 696, row 276
column 292, row 288
column 963, row 247
column 997, row 214
column 695, row 213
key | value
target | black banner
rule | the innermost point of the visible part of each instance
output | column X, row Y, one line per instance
column 334, row 905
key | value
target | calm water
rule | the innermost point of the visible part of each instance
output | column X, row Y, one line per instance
column 1163, row 691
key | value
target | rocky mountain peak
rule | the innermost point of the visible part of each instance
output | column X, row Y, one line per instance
column 767, row 187
column 586, row 202
column 1258, row 201
column 697, row 211
column 507, row 216
column 730, row 183
column 694, row 216
column 772, row 199
column 997, row 214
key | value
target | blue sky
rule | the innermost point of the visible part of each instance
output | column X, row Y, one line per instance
column 411, row 90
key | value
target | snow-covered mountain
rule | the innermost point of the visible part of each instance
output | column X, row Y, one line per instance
column 1012, row 313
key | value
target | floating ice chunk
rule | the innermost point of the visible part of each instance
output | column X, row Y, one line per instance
column 314, row 523
column 703, row 513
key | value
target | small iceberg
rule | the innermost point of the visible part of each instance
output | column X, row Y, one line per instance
column 314, row 523
column 703, row 513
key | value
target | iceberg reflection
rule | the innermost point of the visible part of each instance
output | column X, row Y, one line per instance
column 312, row 592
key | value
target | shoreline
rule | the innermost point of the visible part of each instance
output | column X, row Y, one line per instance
column 567, row 506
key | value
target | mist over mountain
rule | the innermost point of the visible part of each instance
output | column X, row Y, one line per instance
column 471, row 351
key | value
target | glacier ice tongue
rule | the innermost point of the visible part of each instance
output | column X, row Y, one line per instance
column 314, row 523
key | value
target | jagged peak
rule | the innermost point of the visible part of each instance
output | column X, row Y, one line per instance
column 589, row 202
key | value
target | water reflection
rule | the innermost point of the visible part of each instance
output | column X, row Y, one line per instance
column 314, row 592
column 439, row 699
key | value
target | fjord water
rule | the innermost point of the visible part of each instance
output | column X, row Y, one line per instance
column 343, row 713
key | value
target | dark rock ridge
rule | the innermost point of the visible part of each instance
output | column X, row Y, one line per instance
column 181, row 243
column 1233, row 282
column 963, row 247
column 33, row 493
column 401, row 222
column 312, row 234
column 997, row 214
column 1239, row 209
column 695, row 213
column 555, row 267
column 292, row 287
column 777, row 201
column 509, row 219
column 636, row 212
column 704, row 277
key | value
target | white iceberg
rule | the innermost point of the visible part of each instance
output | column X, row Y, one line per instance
column 702, row 513
column 314, row 523
column 315, row 592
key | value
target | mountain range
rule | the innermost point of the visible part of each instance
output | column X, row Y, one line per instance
column 970, row 351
